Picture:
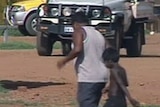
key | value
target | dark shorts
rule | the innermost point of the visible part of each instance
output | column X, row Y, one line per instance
column 116, row 101
column 89, row 94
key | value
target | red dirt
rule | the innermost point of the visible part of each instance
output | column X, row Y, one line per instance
column 43, row 82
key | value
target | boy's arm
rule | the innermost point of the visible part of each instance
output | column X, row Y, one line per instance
column 106, row 88
column 123, row 87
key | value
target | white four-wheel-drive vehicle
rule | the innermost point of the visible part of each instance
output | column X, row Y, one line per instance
column 23, row 15
column 120, row 21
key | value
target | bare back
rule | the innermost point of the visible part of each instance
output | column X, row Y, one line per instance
column 114, row 89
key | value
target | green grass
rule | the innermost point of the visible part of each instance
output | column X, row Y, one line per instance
column 129, row 105
column 6, row 100
column 16, row 45
column 23, row 45
column 151, row 106
column 3, row 90
column 57, row 45
column 20, row 102
column 148, row 106
column 11, row 32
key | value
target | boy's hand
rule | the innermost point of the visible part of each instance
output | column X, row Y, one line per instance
column 134, row 102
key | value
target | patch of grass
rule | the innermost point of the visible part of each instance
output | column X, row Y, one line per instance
column 147, row 106
column 71, row 103
column 2, row 89
column 151, row 106
column 16, row 45
column 23, row 45
column 57, row 45
column 5, row 100
column 20, row 102
column 11, row 32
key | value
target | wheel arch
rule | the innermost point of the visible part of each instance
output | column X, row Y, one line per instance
column 29, row 13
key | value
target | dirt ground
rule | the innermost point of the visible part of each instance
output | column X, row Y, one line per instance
column 32, row 78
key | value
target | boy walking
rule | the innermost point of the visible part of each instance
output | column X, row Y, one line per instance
column 117, row 91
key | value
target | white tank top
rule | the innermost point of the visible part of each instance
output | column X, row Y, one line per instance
column 89, row 66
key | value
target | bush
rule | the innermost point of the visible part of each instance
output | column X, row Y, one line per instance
column 3, row 4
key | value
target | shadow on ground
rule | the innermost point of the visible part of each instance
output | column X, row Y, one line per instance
column 55, row 55
column 13, row 85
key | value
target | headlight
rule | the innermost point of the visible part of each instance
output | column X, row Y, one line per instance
column 55, row 11
column 96, row 13
column 18, row 8
column 67, row 11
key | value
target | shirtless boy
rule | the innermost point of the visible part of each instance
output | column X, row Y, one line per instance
column 117, row 89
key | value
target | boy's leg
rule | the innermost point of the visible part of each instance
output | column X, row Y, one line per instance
column 89, row 94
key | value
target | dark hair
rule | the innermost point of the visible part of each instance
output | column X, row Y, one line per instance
column 79, row 17
column 110, row 54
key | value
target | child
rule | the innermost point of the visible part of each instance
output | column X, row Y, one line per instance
column 117, row 90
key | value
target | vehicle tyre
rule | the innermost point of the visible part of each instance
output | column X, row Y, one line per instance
column 116, row 42
column 118, row 38
column 66, row 47
column 44, row 44
column 30, row 24
column 23, row 30
column 134, row 46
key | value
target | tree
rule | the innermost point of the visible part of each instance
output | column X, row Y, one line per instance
column 3, row 4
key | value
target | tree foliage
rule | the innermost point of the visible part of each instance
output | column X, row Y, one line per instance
column 3, row 4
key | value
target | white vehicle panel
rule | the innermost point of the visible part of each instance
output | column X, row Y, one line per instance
column 143, row 9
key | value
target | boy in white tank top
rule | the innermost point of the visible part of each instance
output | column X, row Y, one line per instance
column 92, row 74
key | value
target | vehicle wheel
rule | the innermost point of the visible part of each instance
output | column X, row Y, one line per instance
column 23, row 30
column 44, row 44
column 118, row 38
column 31, row 23
column 66, row 47
column 134, row 46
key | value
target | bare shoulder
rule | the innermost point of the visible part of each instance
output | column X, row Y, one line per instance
column 119, row 69
column 78, row 31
